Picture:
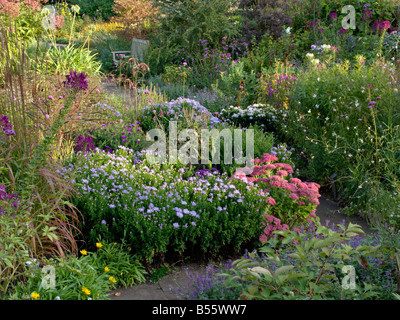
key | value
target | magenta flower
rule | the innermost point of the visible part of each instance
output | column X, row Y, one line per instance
column 333, row 16
column 380, row 25
column 76, row 80
column 84, row 144
column 271, row 201
column 294, row 196
column 366, row 15
column 386, row 24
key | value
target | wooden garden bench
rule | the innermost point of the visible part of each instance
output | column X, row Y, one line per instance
column 138, row 48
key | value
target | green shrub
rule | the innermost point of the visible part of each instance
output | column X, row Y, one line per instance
column 97, row 9
column 305, row 265
column 263, row 142
column 109, row 136
column 343, row 118
column 88, row 277
column 102, row 44
column 183, row 24
column 188, row 113
column 158, row 210
column 238, row 84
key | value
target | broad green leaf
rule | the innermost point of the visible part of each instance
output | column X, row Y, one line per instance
column 261, row 270
column 283, row 269
column 252, row 290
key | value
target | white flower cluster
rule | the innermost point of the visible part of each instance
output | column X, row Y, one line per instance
column 255, row 110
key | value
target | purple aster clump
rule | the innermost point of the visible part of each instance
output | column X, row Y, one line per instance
column 333, row 16
column 76, row 80
column 206, row 172
column 84, row 144
column 366, row 15
column 209, row 286
column 6, row 198
column 6, row 126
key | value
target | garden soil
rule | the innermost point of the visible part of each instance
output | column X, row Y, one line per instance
column 163, row 289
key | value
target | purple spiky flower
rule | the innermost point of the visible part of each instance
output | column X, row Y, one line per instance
column 76, row 80
column 6, row 126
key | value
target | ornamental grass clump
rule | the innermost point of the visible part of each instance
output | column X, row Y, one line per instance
column 42, row 223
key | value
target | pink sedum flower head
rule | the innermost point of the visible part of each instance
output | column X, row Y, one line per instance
column 271, row 201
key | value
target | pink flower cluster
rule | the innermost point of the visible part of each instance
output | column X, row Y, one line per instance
column 11, row 7
column 380, row 25
column 274, row 174
column 272, row 224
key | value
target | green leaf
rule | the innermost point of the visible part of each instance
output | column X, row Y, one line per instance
column 260, row 270
column 283, row 269
column 252, row 290
column 295, row 255
column 326, row 251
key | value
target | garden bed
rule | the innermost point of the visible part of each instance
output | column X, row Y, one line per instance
column 221, row 138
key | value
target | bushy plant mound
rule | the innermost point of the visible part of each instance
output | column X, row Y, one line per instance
column 89, row 276
column 344, row 119
column 246, row 116
column 312, row 263
column 188, row 114
column 161, row 208
column 292, row 200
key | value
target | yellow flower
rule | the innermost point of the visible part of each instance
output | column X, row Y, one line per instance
column 106, row 269
column 83, row 252
column 86, row 290
column 112, row 279
column 99, row 245
column 35, row 295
